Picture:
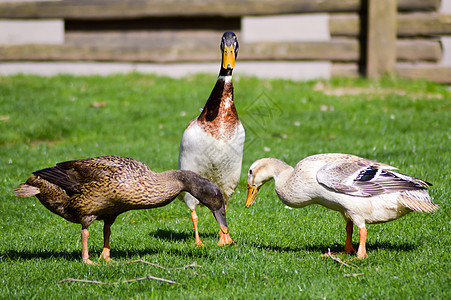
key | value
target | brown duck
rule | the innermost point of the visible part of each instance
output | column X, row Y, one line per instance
column 101, row 188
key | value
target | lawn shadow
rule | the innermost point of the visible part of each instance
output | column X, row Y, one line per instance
column 94, row 253
column 70, row 255
column 336, row 248
column 194, row 252
column 44, row 254
column 301, row 248
column 406, row 247
column 171, row 235
column 118, row 254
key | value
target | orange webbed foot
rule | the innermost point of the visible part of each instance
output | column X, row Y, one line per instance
column 199, row 243
column 90, row 262
column 105, row 255
column 225, row 239
column 361, row 255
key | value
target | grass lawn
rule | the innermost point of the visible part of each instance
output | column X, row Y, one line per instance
column 45, row 120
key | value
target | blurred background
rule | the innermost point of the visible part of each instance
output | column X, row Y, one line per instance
column 291, row 39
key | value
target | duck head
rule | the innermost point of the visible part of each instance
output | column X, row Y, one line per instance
column 229, row 49
column 259, row 173
column 208, row 193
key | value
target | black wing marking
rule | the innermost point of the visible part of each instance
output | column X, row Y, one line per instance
column 377, row 181
column 360, row 179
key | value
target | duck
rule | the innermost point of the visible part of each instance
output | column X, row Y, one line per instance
column 362, row 190
column 212, row 143
column 101, row 188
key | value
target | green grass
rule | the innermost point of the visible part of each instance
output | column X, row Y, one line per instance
column 47, row 120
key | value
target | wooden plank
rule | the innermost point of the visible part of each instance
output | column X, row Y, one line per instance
column 340, row 50
column 381, row 38
column 105, row 53
column 409, row 25
column 175, row 47
column 98, row 9
column 345, row 25
column 207, row 39
column 414, row 5
column 430, row 72
column 183, row 52
column 126, row 9
column 422, row 24
column 418, row 50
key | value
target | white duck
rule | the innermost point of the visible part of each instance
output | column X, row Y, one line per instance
column 363, row 191
column 212, row 144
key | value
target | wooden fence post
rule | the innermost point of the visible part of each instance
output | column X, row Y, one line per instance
column 381, row 38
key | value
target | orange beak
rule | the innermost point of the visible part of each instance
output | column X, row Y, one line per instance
column 228, row 60
column 251, row 195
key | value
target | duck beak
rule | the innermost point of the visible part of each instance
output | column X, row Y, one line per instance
column 228, row 59
column 251, row 195
column 220, row 217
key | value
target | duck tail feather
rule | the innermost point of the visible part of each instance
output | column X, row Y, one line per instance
column 25, row 190
column 416, row 201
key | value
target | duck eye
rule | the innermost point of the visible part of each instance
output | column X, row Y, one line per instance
column 250, row 172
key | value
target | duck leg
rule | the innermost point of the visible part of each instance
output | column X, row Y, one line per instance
column 84, row 246
column 196, row 229
column 348, row 246
column 106, row 238
column 106, row 243
column 361, row 253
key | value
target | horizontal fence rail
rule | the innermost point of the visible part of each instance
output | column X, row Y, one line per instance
column 100, row 9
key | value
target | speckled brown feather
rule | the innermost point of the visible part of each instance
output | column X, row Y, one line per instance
column 101, row 188
column 82, row 191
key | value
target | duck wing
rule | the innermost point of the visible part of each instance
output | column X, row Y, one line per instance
column 66, row 179
column 361, row 178
column 71, row 175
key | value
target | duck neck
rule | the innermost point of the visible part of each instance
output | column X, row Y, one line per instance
column 225, row 72
column 185, row 180
column 280, row 171
column 198, row 186
column 162, row 189
column 291, row 187
column 220, row 105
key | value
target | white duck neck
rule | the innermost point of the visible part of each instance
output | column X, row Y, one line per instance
column 286, row 183
column 226, row 78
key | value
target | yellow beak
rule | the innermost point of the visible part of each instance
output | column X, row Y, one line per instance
column 251, row 195
column 224, row 229
column 228, row 59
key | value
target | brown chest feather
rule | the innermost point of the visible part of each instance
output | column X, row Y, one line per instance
column 219, row 117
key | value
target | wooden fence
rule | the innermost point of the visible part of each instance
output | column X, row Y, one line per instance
column 366, row 37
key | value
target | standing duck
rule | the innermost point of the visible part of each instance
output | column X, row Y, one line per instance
column 101, row 188
column 212, row 144
column 363, row 191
